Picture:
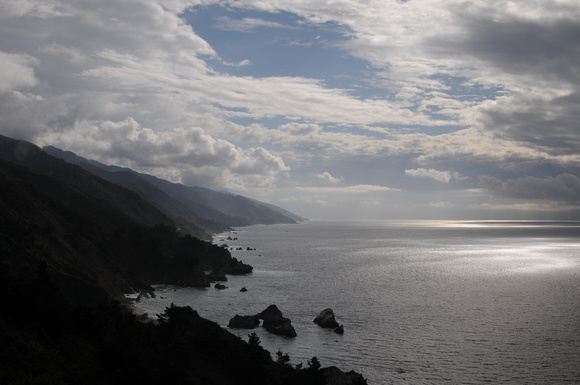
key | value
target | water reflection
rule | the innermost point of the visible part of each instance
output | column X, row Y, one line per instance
column 422, row 303
column 518, row 258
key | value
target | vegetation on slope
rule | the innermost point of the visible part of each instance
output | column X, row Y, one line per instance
column 45, row 340
column 71, row 242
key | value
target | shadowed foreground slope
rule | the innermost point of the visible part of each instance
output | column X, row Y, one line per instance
column 65, row 253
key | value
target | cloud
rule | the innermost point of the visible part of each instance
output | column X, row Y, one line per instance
column 523, row 57
column 444, row 204
column 243, row 63
column 326, row 176
column 439, row 176
column 356, row 189
column 247, row 24
column 300, row 129
column 561, row 188
column 179, row 154
column 535, row 55
column 548, row 124
column 466, row 86
column 526, row 207
column 37, row 8
column 16, row 71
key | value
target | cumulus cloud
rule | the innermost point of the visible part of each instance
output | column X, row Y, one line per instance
column 537, row 60
column 326, row 176
column 562, row 188
column 122, row 81
column 439, row 176
column 40, row 8
column 526, row 55
column 179, row 154
column 16, row 71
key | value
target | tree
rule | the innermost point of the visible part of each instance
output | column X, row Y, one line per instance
column 282, row 358
column 254, row 340
column 314, row 364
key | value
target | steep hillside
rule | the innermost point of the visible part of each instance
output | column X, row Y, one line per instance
column 105, row 192
column 186, row 218
column 234, row 210
column 67, row 246
column 208, row 209
column 93, row 249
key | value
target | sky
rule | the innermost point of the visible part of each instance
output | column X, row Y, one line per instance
column 332, row 109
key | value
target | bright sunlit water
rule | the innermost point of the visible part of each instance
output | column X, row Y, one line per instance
column 421, row 302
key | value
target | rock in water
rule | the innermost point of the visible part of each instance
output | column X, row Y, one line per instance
column 326, row 319
column 271, row 315
column 219, row 286
column 244, row 322
column 145, row 294
column 339, row 330
column 275, row 323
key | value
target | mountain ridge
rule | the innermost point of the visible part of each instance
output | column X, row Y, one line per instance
column 210, row 210
column 98, row 238
column 31, row 156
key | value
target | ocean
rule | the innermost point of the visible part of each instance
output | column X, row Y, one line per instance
column 422, row 302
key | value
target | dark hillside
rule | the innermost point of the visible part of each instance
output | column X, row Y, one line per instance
column 235, row 210
column 107, row 193
column 192, row 222
column 63, row 254
column 66, row 251
column 93, row 250
column 206, row 208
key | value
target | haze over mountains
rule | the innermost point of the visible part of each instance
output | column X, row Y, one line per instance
column 206, row 208
column 199, row 211
column 105, row 230
column 97, row 237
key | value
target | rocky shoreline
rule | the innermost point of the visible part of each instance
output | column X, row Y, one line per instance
column 271, row 318
column 273, row 321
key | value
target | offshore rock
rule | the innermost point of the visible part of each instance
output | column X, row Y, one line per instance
column 276, row 323
column 339, row 330
column 145, row 294
column 219, row 286
column 326, row 319
column 244, row 322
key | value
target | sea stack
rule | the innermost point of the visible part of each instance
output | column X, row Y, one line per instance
column 244, row 322
column 275, row 323
column 326, row 319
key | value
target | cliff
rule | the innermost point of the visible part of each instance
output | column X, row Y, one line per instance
column 71, row 242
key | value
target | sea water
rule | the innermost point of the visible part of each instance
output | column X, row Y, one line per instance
column 421, row 302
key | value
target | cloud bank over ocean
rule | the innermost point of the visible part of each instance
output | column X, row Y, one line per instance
column 377, row 109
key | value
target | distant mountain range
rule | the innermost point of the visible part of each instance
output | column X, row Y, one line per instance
column 199, row 211
column 110, row 230
column 98, row 238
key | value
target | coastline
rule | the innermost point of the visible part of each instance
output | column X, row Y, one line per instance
column 305, row 372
